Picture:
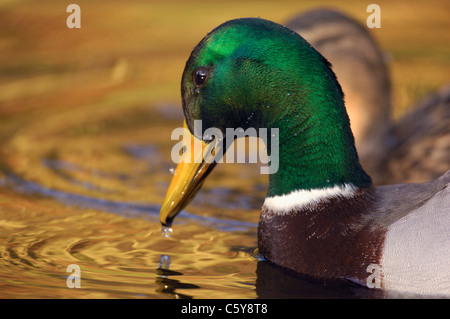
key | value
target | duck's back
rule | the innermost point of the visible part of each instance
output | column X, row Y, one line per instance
column 416, row 252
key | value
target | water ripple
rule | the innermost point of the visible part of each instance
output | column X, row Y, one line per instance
column 127, row 209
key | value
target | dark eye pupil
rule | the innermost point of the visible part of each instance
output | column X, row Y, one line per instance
column 200, row 77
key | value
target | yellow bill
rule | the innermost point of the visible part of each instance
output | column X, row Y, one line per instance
column 196, row 163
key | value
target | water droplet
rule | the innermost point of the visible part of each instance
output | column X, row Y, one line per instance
column 257, row 256
column 172, row 170
column 288, row 94
column 166, row 231
column 268, row 106
column 295, row 134
column 164, row 262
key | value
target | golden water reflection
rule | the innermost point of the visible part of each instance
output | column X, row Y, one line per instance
column 75, row 195
column 92, row 199
column 85, row 122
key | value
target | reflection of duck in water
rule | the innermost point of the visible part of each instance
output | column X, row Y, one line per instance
column 274, row 282
column 167, row 285
column 414, row 149
column 321, row 217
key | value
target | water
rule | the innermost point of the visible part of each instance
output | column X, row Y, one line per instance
column 166, row 231
column 85, row 123
column 87, row 192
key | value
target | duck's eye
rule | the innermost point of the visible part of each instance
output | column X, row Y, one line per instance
column 200, row 77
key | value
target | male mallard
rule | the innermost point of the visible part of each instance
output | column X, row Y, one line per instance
column 322, row 216
column 415, row 148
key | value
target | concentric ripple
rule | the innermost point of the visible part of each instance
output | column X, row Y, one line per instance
column 83, row 188
column 86, row 190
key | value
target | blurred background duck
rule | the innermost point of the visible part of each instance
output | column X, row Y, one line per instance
column 415, row 148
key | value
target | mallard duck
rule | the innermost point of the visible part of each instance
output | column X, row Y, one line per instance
column 421, row 148
column 391, row 151
column 322, row 217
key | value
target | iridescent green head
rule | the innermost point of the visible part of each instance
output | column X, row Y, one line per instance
column 253, row 73
column 250, row 66
column 259, row 70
